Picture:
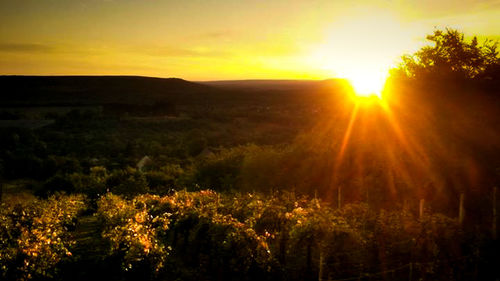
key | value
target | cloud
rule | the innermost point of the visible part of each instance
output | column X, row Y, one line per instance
column 157, row 51
column 26, row 48
column 184, row 52
column 217, row 34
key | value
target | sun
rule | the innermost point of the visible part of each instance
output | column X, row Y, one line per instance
column 367, row 84
column 368, row 79
column 362, row 50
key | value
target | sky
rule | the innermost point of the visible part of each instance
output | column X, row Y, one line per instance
column 227, row 39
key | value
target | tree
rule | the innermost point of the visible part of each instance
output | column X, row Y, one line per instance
column 451, row 55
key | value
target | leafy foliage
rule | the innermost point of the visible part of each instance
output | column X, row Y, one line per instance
column 35, row 237
column 209, row 236
column 451, row 54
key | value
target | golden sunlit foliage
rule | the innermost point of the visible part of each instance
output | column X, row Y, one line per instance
column 35, row 236
column 244, row 236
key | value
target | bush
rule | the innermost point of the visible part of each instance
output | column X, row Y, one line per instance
column 57, row 183
column 166, row 179
column 128, row 182
column 93, row 185
column 220, row 171
column 35, row 238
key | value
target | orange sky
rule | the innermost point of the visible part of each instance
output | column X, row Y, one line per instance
column 226, row 39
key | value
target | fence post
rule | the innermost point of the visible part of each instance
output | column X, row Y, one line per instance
column 411, row 272
column 320, row 271
column 494, row 226
column 339, row 196
column 421, row 209
column 461, row 211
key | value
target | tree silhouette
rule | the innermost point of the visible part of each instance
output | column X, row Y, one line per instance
column 451, row 55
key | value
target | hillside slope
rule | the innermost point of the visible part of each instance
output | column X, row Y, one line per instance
column 23, row 90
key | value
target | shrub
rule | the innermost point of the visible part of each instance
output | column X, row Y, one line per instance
column 35, row 238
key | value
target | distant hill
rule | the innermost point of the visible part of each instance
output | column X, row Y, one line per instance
column 43, row 90
column 137, row 91
column 281, row 85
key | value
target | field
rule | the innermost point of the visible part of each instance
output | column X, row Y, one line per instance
column 246, row 180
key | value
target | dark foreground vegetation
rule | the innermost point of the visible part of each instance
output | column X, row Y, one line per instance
column 233, row 236
column 134, row 178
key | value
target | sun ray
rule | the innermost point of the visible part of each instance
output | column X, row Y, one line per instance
column 347, row 135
